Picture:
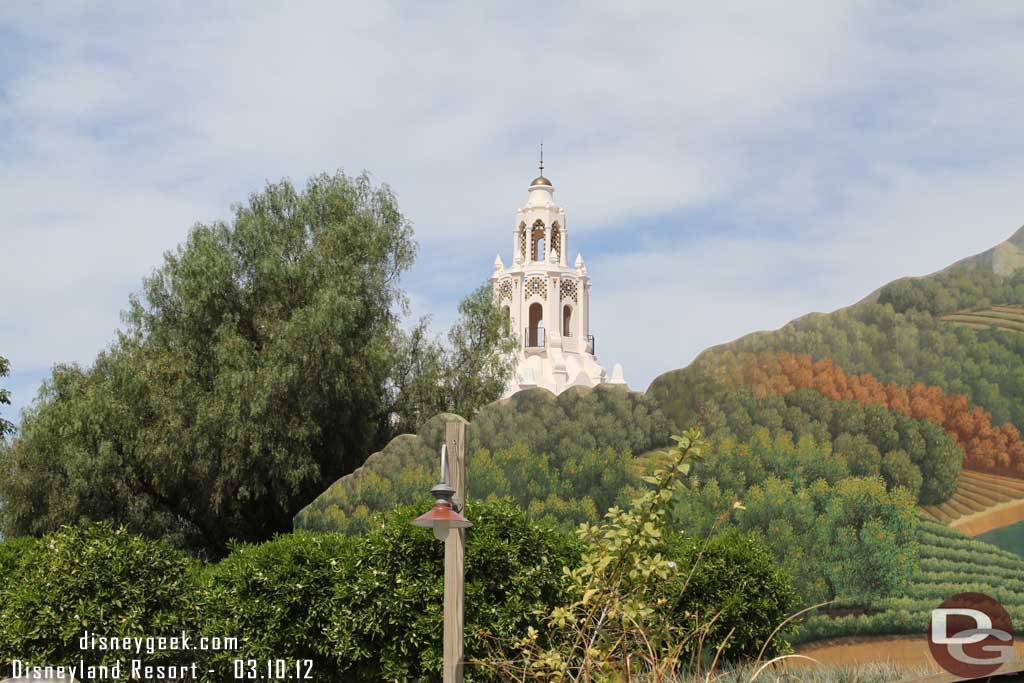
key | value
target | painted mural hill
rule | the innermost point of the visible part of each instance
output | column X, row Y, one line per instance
column 914, row 385
column 567, row 457
column 946, row 348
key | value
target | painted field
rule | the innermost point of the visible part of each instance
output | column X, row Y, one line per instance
column 1008, row 538
column 1009, row 318
column 950, row 563
column 981, row 503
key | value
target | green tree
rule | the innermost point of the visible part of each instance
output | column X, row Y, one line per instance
column 899, row 470
column 479, row 359
column 471, row 371
column 862, row 456
column 866, row 539
column 262, row 360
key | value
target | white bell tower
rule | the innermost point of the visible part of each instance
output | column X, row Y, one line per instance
column 546, row 301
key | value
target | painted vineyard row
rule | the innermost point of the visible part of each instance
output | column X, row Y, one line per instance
column 976, row 494
column 950, row 563
column 1010, row 318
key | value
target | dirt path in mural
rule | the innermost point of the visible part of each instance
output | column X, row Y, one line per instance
column 909, row 652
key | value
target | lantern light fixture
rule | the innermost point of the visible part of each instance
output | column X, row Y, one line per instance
column 446, row 513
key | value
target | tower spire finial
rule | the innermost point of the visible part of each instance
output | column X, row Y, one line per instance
column 542, row 156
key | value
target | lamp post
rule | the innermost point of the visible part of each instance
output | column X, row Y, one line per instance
column 448, row 524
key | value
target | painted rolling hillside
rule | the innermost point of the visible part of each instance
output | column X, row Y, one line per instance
column 947, row 348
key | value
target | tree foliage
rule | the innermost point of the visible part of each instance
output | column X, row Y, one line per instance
column 12, row 552
column 566, row 457
column 952, row 290
column 850, row 539
column 987, row 448
column 853, row 437
column 460, row 377
column 261, row 361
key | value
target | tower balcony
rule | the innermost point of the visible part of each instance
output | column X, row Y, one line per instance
column 534, row 338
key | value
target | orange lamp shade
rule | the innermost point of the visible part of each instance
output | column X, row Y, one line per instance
column 441, row 518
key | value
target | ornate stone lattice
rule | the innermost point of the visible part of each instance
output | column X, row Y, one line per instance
column 556, row 241
column 505, row 290
column 536, row 286
column 569, row 290
column 522, row 241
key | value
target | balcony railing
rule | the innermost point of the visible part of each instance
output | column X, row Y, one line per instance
column 533, row 337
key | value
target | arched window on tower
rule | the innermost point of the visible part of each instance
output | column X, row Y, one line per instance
column 567, row 321
column 556, row 241
column 537, row 241
column 535, row 332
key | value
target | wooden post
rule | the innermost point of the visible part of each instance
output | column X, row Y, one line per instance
column 455, row 554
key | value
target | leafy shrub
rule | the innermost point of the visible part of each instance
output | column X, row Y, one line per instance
column 277, row 599
column 388, row 598
column 363, row 608
column 94, row 578
column 12, row 551
column 732, row 584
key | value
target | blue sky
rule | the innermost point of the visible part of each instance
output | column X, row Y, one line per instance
column 724, row 169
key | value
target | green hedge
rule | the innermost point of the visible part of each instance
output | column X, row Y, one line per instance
column 363, row 608
column 366, row 608
column 277, row 598
column 12, row 552
column 389, row 595
column 97, row 579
